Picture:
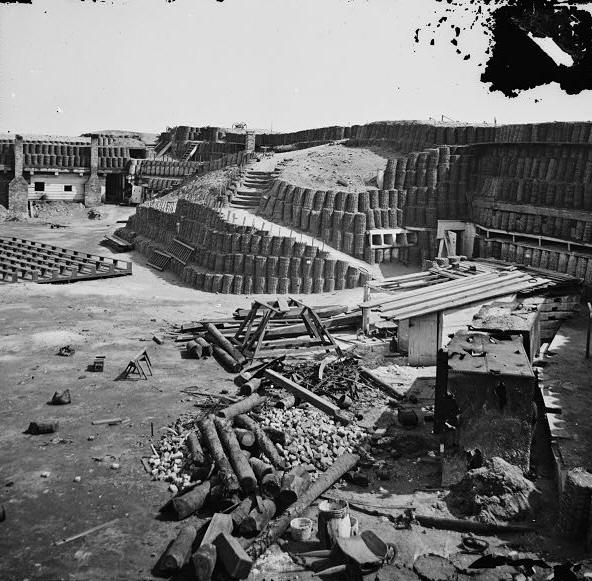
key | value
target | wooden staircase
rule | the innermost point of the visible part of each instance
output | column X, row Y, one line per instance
column 253, row 185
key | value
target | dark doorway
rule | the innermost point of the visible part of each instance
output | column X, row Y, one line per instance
column 114, row 187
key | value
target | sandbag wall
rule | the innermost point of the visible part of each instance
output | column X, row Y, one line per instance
column 536, row 190
column 339, row 218
column 317, row 136
column 243, row 260
column 56, row 154
column 153, row 223
column 160, row 175
column 576, row 264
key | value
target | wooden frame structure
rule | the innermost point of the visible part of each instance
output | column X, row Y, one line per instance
column 34, row 261
column 134, row 367
column 250, row 337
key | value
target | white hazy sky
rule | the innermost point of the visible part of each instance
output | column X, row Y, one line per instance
column 69, row 66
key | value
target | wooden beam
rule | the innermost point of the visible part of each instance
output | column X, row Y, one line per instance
column 301, row 392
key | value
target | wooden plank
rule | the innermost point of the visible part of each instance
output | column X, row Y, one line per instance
column 457, row 301
column 301, row 392
column 453, row 288
column 432, row 290
column 580, row 215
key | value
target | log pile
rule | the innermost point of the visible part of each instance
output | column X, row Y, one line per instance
column 247, row 482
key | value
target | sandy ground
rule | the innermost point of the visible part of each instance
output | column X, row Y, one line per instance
column 321, row 167
column 116, row 318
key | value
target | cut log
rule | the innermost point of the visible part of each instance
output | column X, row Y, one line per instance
column 190, row 502
column 216, row 451
column 251, row 386
column 286, row 402
column 179, row 551
column 260, row 468
column 257, row 371
column 241, row 512
column 204, row 561
column 220, row 523
column 305, row 394
column 258, row 519
column 380, row 383
column 194, row 349
column 233, row 557
column 195, row 450
column 265, row 444
column 206, row 348
column 278, row 526
column 36, row 428
column 219, row 339
column 271, row 485
column 227, row 361
column 239, row 462
column 294, row 483
column 276, row 436
column 243, row 406
column 220, row 499
column 245, row 438
column 469, row 526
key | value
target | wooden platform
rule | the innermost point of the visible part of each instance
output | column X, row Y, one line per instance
column 28, row 260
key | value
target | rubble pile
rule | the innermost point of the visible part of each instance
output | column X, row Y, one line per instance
column 312, row 438
column 171, row 463
column 334, row 378
column 497, row 492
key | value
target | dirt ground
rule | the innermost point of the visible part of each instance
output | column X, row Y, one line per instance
column 116, row 318
column 321, row 167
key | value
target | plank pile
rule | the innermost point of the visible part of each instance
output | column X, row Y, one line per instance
column 270, row 329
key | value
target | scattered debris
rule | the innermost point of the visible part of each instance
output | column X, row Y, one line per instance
column 134, row 367
column 498, row 492
column 85, row 533
column 66, row 351
column 47, row 427
column 98, row 364
column 61, row 398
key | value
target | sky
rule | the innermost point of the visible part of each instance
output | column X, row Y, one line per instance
column 71, row 66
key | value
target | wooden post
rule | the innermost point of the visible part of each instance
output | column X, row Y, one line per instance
column 258, row 519
column 223, row 342
column 195, row 449
column 242, row 407
column 277, row 527
column 179, row 551
column 239, row 462
column 233, row 557
column 204, row 559
column 190, row 502
column 589, row 330
column 366, row 311
column 241, row 512
column 263, row 441
column 294, row 483
column 245, row 438
column 214, row 446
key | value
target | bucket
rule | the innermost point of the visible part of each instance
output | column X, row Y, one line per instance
column 333, row 521
column 301, row 529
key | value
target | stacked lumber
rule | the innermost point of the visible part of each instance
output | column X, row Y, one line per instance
column 454, row 294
